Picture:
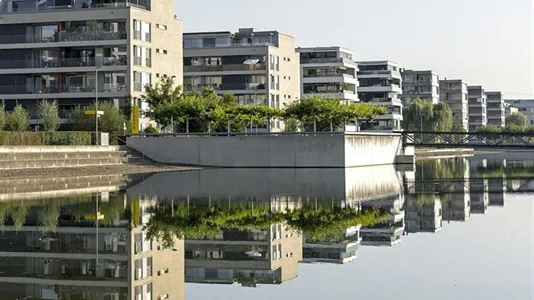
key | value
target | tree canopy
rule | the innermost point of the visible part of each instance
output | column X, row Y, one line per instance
column 423, row 115
column 517, row 119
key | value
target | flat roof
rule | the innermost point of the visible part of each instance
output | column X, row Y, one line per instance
column 377, row 62
column 324, row 48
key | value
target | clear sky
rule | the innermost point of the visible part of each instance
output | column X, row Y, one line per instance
column 485, row 42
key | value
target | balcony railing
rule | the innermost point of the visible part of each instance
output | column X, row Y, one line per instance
column 32, row 6
column 321, row 60
column 62, row 63
column 71, row 88
column 329, row 75
column 379, row 72
column 64, row 36
column 222, row 68
column 228, row 86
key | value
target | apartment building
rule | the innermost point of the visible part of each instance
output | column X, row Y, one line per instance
column 247, row 257
column 76, row 51
column 333, row 250
column 419, row 84
column 423, row 216
column 109, row 260
column 477, row 107
column 329, row 72
column 388, row 233
column 496, row 108
column 510, row 110
column 381, row 83
column 454, row 93
column 258, row 67
column 524, row 106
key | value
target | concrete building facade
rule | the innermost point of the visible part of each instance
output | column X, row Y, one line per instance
column 258, row 67
column 524, row 106
column 77, row 51
column 380, row 82
column 496, row 109
column 454, row 93
column 329, row 72
column 419, row 84
column 510, row 110
column 477, row 107
column 334, row 251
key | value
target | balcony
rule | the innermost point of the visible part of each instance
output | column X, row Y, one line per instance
column 64, row 36
column 29, row 6
column 226, row 68
column 379, row 74
column 63, row 63
column 380, row 88
column 64, row 88
column 229, row 86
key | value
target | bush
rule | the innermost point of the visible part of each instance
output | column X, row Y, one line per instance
column 58, row 138
column 3, row 116
column 150, row 129
column 18, row 119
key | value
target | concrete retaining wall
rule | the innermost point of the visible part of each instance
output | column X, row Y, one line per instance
column 274, row 151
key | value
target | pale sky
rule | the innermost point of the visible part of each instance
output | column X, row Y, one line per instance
column 485, row 42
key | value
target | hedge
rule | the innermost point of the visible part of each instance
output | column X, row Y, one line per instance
column 11, row 138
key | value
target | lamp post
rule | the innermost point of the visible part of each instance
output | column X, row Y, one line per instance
column 172, row 102
column 37, row 111
column 96, row 104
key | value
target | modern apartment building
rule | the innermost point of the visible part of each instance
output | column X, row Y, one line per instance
column 381, row 83
column 247, row 257
column 76, row 51
column 510, row 110
column 329, row 72
column 477, row 107
column 454, row 92
column 496, row 109
column 334, row 251
column 524, row 106
column 258, row 67
column 419, row 84
column 390, row 232
column 423, row 216
column 82, row 260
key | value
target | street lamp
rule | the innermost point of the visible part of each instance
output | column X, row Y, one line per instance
column 96, row 104
column 172, row 102
column 37, row 111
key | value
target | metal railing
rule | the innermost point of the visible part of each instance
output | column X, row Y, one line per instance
column 63, row 36
column 221, row 68
column 468, row 139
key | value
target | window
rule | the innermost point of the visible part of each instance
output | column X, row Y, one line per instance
column 164, row 51
column 161, row 26
column 149, row 266
column 139, row 292
column 164, row 296
column 138, row 269
column 531, row 122
column 149, row 291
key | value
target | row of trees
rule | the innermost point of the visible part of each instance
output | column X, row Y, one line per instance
column 206, row 112
column 515, row 123
column 18, row 119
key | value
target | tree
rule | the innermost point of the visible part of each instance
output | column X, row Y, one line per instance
column 18, row 119
column 151, row 129
column 517, row 119
column 111, row 121
column 3, row 115
column 423, row 115
column 163, row 91
column 48, row 115
column 323, row 114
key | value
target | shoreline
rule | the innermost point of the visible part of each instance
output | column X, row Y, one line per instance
column 124, row 169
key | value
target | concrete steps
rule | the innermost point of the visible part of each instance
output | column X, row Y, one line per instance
column 61, row 157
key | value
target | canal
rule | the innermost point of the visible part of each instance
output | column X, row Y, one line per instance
column 459, row 228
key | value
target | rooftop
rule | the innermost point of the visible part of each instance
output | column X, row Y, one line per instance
column 378, row 62
column 324, row 48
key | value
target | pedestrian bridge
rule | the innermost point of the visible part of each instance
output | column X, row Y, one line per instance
column 468, row 140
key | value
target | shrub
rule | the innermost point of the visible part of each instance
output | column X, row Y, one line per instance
column 79, row 138
column 18, row 119
column 2, row 116
column 150, row 129
column 48, row 115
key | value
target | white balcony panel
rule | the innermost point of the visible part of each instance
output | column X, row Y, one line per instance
column 92, row 44
column 330, row 79
column 380, row 89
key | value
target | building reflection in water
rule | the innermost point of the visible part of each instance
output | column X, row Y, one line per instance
column 423, row 213
column 85, row 247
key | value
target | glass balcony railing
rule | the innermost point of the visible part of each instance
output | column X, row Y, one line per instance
column 228, row 86
column 70, row 88
column 63, row 36
column 63, row 63
column 222, row 68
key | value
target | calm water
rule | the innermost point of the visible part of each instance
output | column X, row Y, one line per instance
column 450, row 229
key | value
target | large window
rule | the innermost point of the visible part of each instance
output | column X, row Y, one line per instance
column 142, row 56
column 142, row 31
column 193, row 43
